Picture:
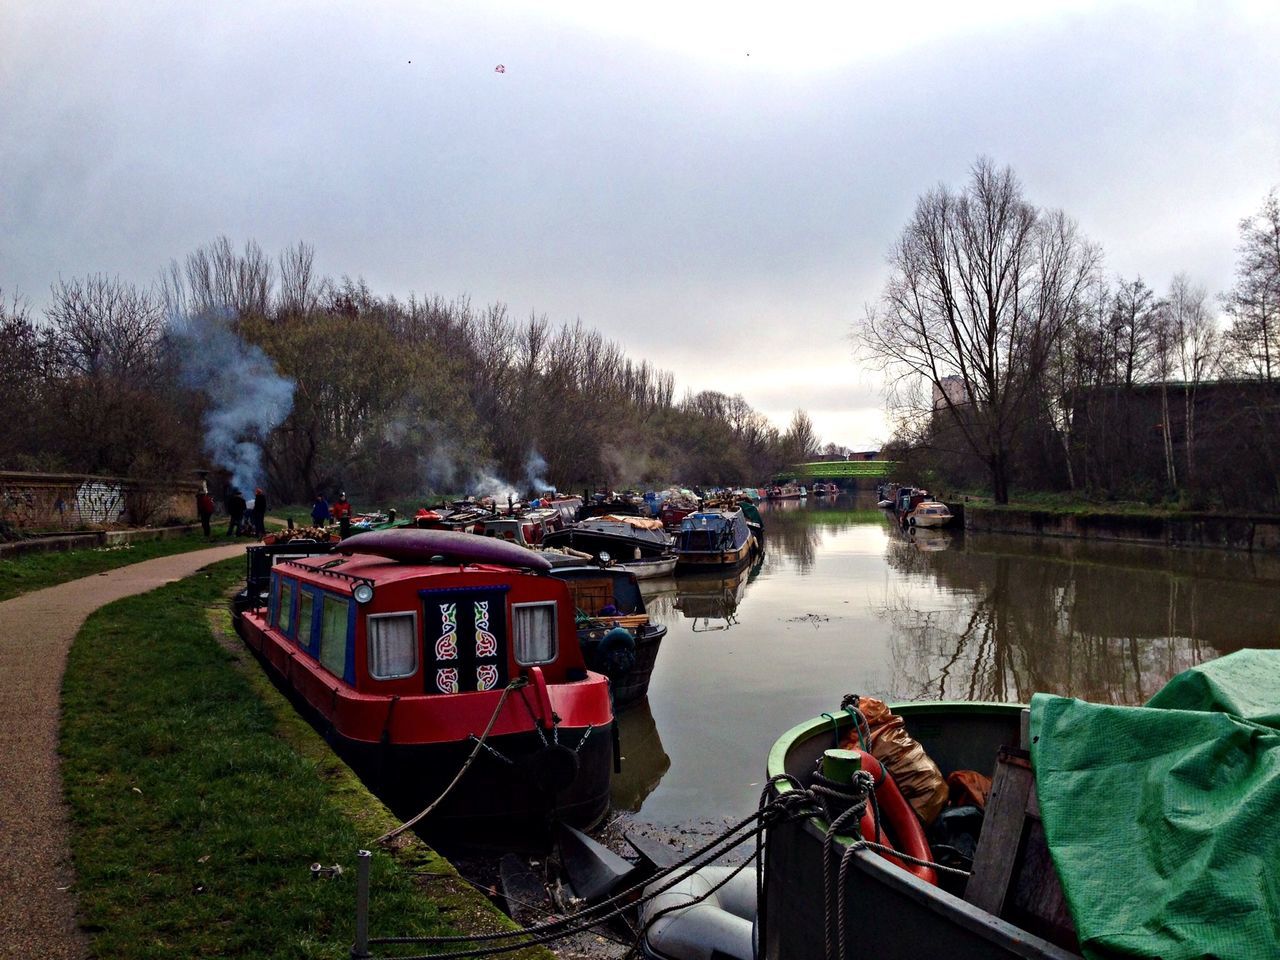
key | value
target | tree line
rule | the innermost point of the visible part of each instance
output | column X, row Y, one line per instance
column 389, row 397
column 1014, row 359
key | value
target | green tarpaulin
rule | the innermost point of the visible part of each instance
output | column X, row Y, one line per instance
column 1164, row 820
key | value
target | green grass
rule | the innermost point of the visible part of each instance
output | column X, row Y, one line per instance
column 199, row 799
column 1076, row 503
column 34, row 571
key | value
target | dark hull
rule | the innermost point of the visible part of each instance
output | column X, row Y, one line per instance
column 888, row 913
column 619, row 547
column 691, row 560
column 633, row 686
column 549, row 777
column 496, row 802
column 564, row 777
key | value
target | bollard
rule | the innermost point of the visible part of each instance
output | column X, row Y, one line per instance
column 841, row 765
column 360, row 948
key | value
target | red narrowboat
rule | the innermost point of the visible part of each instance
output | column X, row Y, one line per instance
column 408, row 645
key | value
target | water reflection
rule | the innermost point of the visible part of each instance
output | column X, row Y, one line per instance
column 844, row 601
column 1108, row 623
column 708, row 600
column 643, row 759
column 794, row 529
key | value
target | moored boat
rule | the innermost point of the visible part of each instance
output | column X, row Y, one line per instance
column 928, row 917
column 676, row 504
column 787, row 491
column 406, row 648
column 638, row 543
column 618, row 637
column 714, row 539
column 930, row 513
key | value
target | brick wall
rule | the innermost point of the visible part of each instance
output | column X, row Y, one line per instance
column 42, row 502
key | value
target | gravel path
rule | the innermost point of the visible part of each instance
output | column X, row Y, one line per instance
column 37, row 911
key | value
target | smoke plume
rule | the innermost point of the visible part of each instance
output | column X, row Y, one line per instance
column 247, row 397
column 443, row 470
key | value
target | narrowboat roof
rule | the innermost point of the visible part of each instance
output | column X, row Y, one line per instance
column 703, row 517
column 380, row 570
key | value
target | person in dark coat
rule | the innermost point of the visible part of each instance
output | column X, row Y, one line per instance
column 259, row 513
column 320, row 511
column 235, row 511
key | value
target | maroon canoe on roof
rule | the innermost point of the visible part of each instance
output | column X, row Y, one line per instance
column 419, row 546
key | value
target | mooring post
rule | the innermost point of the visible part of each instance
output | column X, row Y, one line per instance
column 360, row 948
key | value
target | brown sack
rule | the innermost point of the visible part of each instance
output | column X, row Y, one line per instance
column 916, row 775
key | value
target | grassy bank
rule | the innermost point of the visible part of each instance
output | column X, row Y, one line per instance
column 34, row 571
column 1073, row 504
column 199, row 800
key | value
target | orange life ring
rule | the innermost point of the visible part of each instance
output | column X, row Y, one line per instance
column 899, row 821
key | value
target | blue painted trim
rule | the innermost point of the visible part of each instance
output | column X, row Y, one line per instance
column 317, row 596
column 496, row 588
column 273, row 600
column 350, row 670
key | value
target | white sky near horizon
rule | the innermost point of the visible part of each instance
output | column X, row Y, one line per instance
column 712, row 185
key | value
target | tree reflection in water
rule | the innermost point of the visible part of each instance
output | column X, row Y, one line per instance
column 793, row 529
column 1105, row 623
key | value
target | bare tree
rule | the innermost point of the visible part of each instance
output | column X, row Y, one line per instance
column 1254, row 302
column 218, row 280
column 981, row 289
column 300, row 288
column 22, row 377
column 100, row 326
column 1133, row 317
column 800, row 442
column 1195, row 339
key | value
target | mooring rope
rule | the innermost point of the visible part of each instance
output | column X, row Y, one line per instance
column 774, row 808
column 515, row 684
column 793, row 805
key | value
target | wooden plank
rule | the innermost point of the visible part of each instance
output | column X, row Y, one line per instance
column 1002, row 826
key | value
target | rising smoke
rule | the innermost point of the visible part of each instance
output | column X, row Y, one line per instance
column 444, row 469
column 247, row 397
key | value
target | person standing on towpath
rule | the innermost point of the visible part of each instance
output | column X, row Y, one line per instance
column 342, row 513
column 320, row 511
column 259, row 513
column 235, row 510
column 204, row 508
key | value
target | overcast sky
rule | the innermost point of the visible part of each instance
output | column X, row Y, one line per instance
column 713, row 185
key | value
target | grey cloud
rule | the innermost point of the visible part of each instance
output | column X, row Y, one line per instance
column 671, row 203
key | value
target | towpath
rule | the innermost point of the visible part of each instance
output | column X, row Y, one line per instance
column 37, row 909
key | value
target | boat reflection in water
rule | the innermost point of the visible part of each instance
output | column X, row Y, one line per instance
column 929, row 540
column 644, row 761
column 711, row 602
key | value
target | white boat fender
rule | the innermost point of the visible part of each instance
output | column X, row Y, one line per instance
column 721, row 926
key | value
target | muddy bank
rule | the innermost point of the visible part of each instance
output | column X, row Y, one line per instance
column 1215, row 531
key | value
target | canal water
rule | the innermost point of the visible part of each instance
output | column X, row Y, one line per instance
column 844, row 602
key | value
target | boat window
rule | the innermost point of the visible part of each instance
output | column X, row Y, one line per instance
column 306, row 603
column 273, row 604
column 333, row 634
column 534, row 632
column 393, row 645
column 285, row 622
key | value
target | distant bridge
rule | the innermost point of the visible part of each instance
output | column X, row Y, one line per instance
column 843, row 469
